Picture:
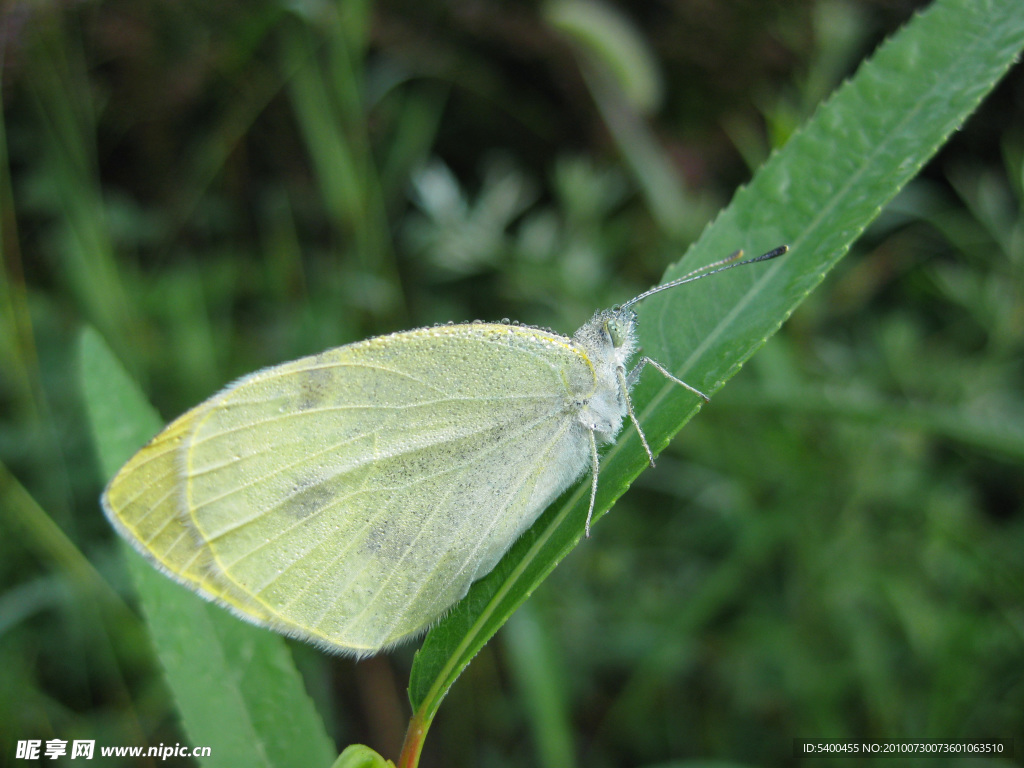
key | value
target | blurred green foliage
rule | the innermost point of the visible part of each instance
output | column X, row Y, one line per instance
column 834, row 548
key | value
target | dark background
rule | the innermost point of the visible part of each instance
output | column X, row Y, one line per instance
column 833, row 548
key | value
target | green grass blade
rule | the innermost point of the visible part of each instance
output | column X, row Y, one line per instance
column 330, row 113
column 1003, row 435
column 540, row 679
column 235, row 685
column 86, row 249
column 817, row 194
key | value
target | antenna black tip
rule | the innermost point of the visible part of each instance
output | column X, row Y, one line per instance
column 772, row 254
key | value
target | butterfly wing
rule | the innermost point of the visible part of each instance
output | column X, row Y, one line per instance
column 352, row 497
column 143, row 502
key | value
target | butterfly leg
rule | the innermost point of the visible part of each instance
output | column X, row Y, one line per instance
column 624, row 387
column 593, row 481
column 634, row 376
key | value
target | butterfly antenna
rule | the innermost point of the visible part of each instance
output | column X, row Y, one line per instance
column 709, row 269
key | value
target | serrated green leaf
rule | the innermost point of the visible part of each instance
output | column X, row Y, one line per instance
column 817, row 194
column 236, row 686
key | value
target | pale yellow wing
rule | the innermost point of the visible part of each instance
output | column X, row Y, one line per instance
column 144, row 502
column 352, row 497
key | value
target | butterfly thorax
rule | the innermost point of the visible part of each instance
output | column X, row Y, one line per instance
column 608, row 341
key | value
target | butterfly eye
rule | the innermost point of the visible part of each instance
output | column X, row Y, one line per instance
column 615, row 332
